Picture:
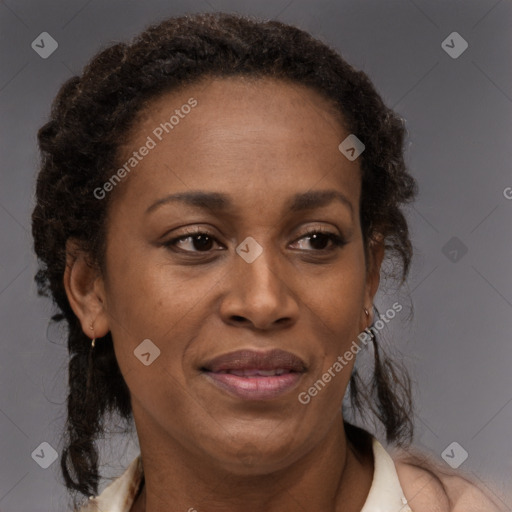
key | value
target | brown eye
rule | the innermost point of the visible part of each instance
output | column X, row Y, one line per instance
column 202, row 242
column 319, row 241
column 193, row 243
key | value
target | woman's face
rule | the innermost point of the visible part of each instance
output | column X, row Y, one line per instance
column 255, row 166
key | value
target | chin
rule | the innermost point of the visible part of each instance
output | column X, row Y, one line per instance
column 256, row 456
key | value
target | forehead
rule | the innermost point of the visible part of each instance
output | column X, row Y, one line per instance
column 238, row 132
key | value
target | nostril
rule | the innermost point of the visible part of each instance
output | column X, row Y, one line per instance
column 238, row 318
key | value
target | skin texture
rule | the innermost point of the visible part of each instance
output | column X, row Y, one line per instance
column 260, row 143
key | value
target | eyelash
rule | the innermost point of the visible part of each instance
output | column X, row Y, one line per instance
column 337, row 241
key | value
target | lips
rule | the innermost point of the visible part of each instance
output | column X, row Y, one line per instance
column 242, row 360
column 256, row 373
column 253, row 375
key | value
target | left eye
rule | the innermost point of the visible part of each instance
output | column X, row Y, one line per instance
column 319, row 240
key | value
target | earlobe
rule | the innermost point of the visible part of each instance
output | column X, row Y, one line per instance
column 84, row 288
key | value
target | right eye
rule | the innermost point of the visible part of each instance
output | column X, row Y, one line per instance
column 193, row 242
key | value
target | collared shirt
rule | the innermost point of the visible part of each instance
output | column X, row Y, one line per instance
column 386, row 494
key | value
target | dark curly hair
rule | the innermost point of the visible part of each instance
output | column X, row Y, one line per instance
column 90, row 119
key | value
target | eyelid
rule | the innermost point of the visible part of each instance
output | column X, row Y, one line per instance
column 319, row 229
column 191, row 232
column 337, row 241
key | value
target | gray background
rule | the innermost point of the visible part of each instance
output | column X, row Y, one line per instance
column 458, row 114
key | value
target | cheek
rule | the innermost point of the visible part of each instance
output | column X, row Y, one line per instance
column 335, row 312
column 152, row 322
column 334, row 303
column 153, row 300
column 147, row 296
column 335, row 297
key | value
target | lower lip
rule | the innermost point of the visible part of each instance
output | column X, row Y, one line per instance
column 256, row 387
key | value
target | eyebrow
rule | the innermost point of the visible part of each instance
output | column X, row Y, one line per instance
column 316, row 199
column 217, row 201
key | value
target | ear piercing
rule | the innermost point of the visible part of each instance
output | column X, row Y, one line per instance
column 94, row 338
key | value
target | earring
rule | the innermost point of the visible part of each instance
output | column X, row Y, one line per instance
column 94, row 338
column 367, row 313
column 90, row 365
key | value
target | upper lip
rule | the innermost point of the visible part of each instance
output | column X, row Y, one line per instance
column 255, row 360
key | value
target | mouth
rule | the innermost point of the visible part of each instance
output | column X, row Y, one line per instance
column 253, row 375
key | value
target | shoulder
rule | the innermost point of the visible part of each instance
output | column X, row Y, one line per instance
column 429, row 487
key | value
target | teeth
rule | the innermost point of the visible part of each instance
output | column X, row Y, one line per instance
column 255, row 373
column 267, row 373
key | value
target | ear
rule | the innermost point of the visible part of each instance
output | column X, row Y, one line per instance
column 375, row 256
column 85, row 291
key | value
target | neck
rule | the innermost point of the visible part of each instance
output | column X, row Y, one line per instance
column 333, row 476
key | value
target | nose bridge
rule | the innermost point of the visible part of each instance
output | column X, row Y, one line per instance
column 257, row 267
column 257, row 291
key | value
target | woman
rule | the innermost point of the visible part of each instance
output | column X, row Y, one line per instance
column 213, row 209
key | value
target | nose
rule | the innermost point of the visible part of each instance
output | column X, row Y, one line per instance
column 259, row 295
